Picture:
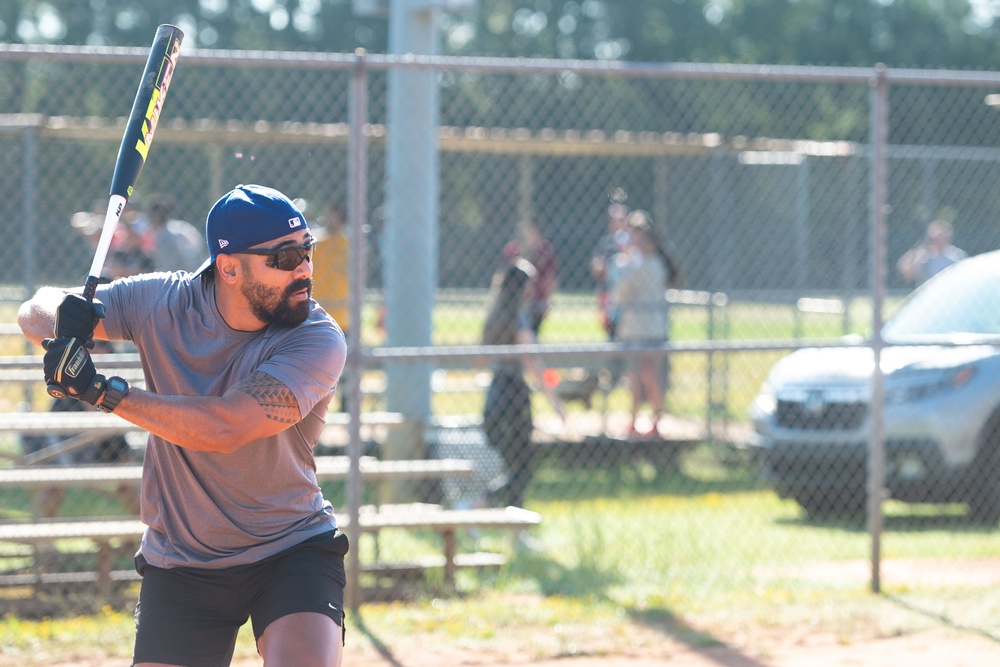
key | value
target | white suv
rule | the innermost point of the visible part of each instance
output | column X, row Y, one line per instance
column 812, row 420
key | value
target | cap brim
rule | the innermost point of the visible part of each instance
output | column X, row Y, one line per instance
column 206, row 265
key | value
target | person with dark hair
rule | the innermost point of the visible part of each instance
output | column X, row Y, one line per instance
column 507, row 418
column 539, row 251
column 647, row 267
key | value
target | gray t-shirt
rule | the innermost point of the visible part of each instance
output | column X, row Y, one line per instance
column 213, row 510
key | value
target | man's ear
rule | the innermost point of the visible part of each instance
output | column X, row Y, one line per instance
column 228, row 267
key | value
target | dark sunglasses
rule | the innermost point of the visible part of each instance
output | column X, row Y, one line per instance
column 283, row 259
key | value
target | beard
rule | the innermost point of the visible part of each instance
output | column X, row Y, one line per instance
column 274, row 306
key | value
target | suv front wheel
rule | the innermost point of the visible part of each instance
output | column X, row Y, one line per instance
column 984, row 494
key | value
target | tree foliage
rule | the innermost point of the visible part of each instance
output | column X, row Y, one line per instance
column 957, row 34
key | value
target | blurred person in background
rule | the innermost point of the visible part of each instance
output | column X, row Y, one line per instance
column 507, row 418
column 646, row 267
column 88, row 224
column 127, row 255
column 331, row 287
column 540, row 253
column 602, row 266
column 930, row 255
column 172, row 244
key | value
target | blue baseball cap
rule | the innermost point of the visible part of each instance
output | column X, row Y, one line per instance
column 248, row 215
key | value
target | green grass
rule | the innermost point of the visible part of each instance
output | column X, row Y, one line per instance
column 573, row 318
column 696, row 553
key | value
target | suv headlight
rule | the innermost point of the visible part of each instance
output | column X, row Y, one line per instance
column 916, row 387
column 766, row 403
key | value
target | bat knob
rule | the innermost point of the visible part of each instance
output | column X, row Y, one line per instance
column 55, row 391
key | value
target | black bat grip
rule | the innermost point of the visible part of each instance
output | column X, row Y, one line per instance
column 90, row 288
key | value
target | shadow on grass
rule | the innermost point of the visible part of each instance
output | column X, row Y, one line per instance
column 942, row 618
column 911, row 523
column 708, row 646
column 700, row 470
column 381, row 647
column 589, row 580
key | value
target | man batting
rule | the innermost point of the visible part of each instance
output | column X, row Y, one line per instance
column 240, row 364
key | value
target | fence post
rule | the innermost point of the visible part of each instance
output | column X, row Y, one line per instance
column 411, row 226
column 876, row 454
column 357, row 184
column 709, row 368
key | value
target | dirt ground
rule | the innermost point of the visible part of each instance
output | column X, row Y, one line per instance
column 924, row 650
column 913, row 651
column 893, row 635
column 871, row 642
column 931, row 647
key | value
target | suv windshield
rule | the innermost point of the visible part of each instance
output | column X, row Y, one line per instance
column 964, row 299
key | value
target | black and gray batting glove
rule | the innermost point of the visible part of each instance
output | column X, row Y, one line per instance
column 68, row 366
column 77, row 317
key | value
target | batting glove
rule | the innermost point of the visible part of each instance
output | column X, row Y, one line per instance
column 68, row 366
column 77, row 317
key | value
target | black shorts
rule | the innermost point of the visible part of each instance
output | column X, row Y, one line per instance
column 191, row 616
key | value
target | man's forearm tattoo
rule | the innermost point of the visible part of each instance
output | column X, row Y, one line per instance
column 277, row 400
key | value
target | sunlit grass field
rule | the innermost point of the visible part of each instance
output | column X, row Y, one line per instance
column 695, row 553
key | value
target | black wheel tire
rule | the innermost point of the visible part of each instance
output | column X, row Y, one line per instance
column 844, row 504
column 984, row 494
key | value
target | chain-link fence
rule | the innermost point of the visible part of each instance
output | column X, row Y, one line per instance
column 703, row 254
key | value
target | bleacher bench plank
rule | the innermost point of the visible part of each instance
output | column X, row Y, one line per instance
column 40, row 532
column 82, row 428
column 63, row 578
column 475, row 560
column 445, row 522
column 438, row 518
column 44, row 532
column 425, row 516
column 72, row 422
column 417, row 566
column 328, row 468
